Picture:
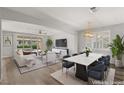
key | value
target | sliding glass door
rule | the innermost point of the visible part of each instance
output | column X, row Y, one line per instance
column 30, row 42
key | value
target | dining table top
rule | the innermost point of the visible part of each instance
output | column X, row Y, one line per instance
column 83, row 59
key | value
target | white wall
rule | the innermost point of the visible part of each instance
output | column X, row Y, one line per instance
column 114, row 30
column 0, row 52
column 71, row 41
column 15, row 16
column 26, row 28
column 7, row 50
column 7, row 14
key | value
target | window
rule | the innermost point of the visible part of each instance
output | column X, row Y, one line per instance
column 100, row 40
column 28, row 42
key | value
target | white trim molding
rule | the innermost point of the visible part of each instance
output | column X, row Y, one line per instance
column 0, row 52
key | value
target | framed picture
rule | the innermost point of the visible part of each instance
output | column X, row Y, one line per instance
column 7, row 40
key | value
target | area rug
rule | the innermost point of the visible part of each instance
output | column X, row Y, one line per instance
column 109, row 79
column 38, row 64
column 70, row 79
column 67, row 78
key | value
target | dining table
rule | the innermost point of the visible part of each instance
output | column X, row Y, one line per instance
column 82, row 62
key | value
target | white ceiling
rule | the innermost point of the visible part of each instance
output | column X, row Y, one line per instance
column 75, row 19
column 21, row 27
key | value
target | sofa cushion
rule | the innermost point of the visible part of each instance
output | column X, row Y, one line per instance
column 19, row 52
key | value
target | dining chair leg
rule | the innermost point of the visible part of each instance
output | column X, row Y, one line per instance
column 74, row 68
column 104, row 75
column 66, row 72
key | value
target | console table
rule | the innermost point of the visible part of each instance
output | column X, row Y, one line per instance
column 61, row 51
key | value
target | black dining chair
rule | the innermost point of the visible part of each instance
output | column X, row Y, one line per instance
column 81, row 52
column 74, row 54
column 66, row 64
column 97, row 72
column 105, row 60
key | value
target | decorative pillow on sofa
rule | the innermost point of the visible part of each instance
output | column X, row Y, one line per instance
column 19, row 52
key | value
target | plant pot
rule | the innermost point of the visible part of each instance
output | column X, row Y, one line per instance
column 123, row 60
column 118, row 63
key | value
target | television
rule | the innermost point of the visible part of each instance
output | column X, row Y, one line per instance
column 61, row 42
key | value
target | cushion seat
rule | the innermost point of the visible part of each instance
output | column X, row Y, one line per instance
column 68, row 64
column 105, row 60
column 96, row 75
column 97, row 72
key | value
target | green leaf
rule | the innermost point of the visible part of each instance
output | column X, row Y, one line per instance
column 49, row 43
column 117, row 47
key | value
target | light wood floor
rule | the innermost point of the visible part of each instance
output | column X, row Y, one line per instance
column 41, row 76
column 38, row 77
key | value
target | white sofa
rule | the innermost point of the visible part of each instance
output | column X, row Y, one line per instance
column 24, row 60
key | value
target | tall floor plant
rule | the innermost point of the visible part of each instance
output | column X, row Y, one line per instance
column 49, row 43
column 117, row 49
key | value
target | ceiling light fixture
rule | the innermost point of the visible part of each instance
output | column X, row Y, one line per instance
column 88, row 32
column 93, row 9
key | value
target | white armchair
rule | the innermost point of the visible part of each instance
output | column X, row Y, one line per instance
column 51, row 57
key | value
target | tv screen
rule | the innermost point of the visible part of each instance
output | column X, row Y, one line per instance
column 61, row 43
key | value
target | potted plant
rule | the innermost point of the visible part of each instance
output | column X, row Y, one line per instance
column 117, row 49
column 87, row 51
column 49, row 44
column 45, row 51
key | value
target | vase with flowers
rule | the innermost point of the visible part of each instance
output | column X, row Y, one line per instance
column 87, row 51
